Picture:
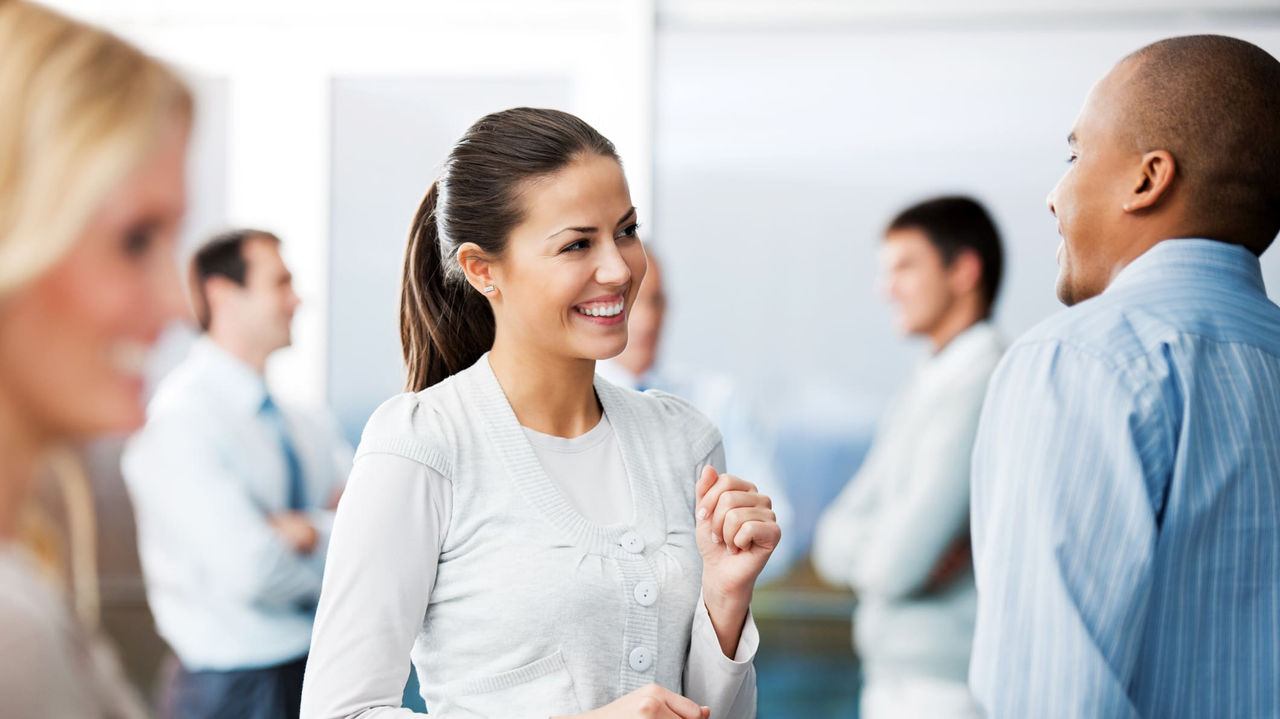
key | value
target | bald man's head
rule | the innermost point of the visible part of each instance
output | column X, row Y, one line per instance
column 1213, row 103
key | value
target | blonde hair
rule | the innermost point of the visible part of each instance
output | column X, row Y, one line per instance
column 79, row 110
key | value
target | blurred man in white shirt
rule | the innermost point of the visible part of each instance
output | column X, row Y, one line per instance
column 898, row 534
column 233, row 494
column 748, row 444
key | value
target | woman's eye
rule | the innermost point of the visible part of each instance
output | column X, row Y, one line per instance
column 631, row 230
column 137, row 241
column 579, row 245
column 1071, row 159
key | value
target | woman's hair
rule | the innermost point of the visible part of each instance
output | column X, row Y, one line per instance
column 79, row 110
column 445, row 325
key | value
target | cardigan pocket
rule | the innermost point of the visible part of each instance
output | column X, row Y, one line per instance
column 540, row 689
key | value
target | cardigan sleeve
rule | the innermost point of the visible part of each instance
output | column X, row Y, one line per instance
column 375, row 593
column 711, row 679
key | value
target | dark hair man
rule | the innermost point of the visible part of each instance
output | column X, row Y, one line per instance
column 234, row 495
column 898, row 534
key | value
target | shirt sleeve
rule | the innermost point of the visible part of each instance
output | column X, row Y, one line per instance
column 185, row 495
column 913, row 532
column 1066, row 467
column 711, row 679
column 843, row 530
column 375, row 594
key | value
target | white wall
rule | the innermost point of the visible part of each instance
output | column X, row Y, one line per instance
column 390, row 136
column 279, row 61
column 781, row 154
column 766, row 142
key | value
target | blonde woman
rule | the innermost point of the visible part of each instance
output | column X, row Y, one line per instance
column 92, row 150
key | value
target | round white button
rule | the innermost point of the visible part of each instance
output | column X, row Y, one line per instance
column 641, row 659
column 633, row 542
column 646, row 593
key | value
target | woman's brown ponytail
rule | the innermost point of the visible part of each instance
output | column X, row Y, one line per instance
column 445, row 326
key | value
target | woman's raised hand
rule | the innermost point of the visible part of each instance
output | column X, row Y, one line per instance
column 737, row 531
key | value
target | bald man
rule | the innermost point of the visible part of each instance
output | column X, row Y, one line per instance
column 1126, row 475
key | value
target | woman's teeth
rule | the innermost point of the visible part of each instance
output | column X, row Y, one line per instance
column 602, row 310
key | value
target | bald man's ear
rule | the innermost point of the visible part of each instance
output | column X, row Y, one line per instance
column 1154, row 181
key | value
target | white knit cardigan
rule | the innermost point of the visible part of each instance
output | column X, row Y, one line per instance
column 536, row 611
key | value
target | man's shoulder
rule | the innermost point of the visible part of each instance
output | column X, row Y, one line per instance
column 1110, row 327
column 184, row 390
column 1152, row 323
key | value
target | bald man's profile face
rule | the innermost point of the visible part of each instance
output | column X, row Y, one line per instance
column 1088, row 200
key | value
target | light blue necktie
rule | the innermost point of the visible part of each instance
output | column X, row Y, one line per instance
column 297, row 491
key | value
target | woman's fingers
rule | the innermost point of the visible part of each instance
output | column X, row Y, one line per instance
column 706, row 480
column 708, row 499
column 659, row 702
column 736, row 519
column 729, row 501
column 759, row 532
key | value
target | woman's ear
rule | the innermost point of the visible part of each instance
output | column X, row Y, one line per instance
column 478, row 268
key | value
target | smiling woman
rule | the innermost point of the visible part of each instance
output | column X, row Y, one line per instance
column 572, row 548
column 92, row 152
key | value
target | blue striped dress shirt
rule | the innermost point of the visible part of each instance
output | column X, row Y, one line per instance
column 1126, row 500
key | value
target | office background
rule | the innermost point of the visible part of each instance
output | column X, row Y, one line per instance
column 767, row 143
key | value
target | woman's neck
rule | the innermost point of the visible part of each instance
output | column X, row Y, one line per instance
column 551, row 395
column 20, row 447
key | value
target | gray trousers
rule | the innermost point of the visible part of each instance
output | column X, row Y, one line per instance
column 273, row 692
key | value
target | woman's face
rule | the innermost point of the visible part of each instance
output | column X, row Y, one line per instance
column 570, row 273
column 73, row 344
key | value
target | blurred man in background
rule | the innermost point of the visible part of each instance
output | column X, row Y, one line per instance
column 898, row 534
column 234, row 495
column 748, row 444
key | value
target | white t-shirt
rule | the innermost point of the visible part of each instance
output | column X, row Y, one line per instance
column 606, row 498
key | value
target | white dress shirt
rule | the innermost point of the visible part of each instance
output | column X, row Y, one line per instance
column 909, row 502
column 205, row 474
column 1126, row 500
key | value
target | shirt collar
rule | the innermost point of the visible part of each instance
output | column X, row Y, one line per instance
column 229, row 378
column 1192, row 259
column 621, row 376
column 961, row 352
column 963, row 348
